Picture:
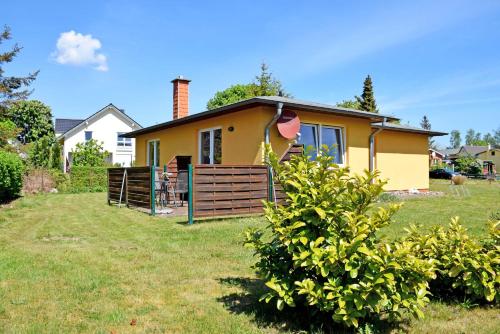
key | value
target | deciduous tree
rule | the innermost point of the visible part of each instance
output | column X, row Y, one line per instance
column 455, row 139
column 33, row 118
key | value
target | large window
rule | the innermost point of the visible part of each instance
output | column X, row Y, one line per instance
column 314, row 136
column 210, row 143
column 88, row 135
column 123, row 142
column 153, row 153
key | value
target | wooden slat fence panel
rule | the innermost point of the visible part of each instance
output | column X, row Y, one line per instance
column 137, row 187
column 221, row 190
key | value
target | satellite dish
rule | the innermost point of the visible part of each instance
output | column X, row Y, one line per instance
column 288, row 124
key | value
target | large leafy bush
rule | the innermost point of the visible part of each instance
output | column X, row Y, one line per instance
column 324, row 253
column 89, row 154
column 465, row 267
column 11, row 175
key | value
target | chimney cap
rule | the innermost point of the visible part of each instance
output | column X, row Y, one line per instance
column 180, row 78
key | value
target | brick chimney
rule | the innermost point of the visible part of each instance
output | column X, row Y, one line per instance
column 181, row 97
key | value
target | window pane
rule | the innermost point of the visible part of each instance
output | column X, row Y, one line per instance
column 218, row 146
column 151, row 153
column 88, row 135
column 205, row 147
column 157, row 160
column 332, row 138
column 308, row 137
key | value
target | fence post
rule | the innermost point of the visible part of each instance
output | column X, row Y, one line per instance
column 190, row 194
column 153, row 190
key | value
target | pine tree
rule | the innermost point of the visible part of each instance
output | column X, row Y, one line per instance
column 367, row 99
column 11, row 88
column 425, row 124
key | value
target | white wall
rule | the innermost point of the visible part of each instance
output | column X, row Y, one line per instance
column 104, row 129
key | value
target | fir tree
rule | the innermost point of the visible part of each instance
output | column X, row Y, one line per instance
column 367, row 99
column 425, row 124
column 11, row 88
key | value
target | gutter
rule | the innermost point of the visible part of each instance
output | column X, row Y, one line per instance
column 272, row 192
column 372, row 144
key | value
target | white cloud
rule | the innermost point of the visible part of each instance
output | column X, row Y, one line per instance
column 76, row 49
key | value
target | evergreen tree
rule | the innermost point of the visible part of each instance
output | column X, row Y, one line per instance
column 11, row 88
column 367, row 99
column 455, row 139
column 425, row 124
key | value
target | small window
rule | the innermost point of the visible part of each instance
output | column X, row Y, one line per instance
column 123, row 142
column 153, row 153
column 88, row 135
column 492, row 152
column 314, row 136
column 210, row 150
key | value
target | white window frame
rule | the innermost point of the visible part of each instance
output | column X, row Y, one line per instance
column 212, row 142
column 154, row 153
column 319, row 135
column 121, row 142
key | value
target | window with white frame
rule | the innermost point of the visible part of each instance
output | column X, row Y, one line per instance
column 123, row 142
column 314, row 136
column 153, row 152
column 210, row 146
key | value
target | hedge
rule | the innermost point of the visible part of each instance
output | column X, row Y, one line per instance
column 11, row 175
column 88, row 179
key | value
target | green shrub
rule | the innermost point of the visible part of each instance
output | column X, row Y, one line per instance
column 465, row 267
column 324, row 254
column 62, row 180
column 88, row 179
column 11, row 175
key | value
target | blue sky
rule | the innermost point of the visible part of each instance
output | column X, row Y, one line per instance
column 434, row 58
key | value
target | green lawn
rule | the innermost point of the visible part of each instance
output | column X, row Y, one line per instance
column 72, row 264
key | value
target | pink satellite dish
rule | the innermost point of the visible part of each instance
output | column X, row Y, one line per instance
column 288, row 124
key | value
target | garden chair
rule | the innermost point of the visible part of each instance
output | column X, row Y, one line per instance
column 181, row 185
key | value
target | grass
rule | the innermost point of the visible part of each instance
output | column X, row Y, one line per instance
column 71, row 264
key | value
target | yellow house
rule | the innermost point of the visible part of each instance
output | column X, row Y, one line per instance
column 236, row 134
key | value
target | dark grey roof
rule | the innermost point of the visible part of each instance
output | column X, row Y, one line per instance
column 407, row 128
column 473, row 150
column 264, row 100
column 65, row 124
column 450, row 151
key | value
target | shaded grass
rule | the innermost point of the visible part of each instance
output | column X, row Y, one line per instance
column 70, row 263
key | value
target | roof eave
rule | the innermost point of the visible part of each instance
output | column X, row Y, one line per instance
column 422, row 131
column 257, row 101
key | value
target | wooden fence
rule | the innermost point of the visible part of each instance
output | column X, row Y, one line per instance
column 214, row 190
column 130, row 186
column 220, row 190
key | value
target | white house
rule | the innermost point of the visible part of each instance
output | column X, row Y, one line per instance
column 105, row 126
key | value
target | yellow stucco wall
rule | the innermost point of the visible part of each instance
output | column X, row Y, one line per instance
column 488, row 155
column 403, row 159
column 241, row 146
column 356, row 132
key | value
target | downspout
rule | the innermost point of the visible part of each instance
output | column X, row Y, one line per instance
column 372, row 145
column 267, row 140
